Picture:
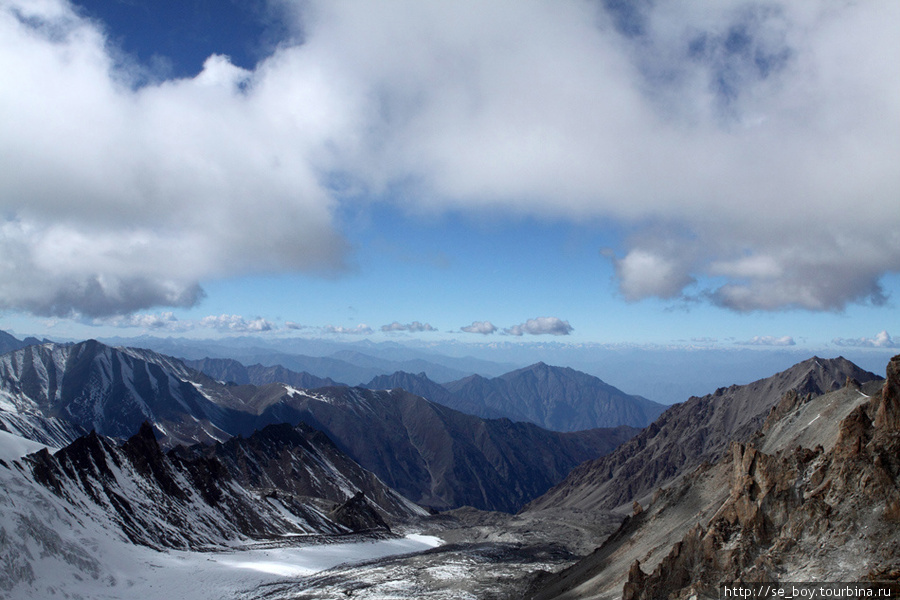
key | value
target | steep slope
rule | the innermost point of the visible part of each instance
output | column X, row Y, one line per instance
column 156, row 500
column 110, row 390
column 303, row 462
column 429, row 453
column 67, row 516
column 556, row 398
column 421, row 385
column 228, row 370
column 812, row 496
column 439, row 457
column 8, row 343
column 688, row 434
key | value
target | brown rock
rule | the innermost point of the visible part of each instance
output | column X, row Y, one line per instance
column 888, row 416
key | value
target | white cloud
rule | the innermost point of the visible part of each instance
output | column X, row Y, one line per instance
column 541, row 326
column 414, row 327
column 752, row 147
column 114, row 199
column 235, row 323
column 882, row 340
column 768, row 340
column 482, row 327
column 644, row 272
column 361, row 329
column 165, row 320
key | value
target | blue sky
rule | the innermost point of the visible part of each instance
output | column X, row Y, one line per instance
column 703, row 173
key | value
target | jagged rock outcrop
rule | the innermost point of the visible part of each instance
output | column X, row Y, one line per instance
column 161, row 500
column 827, row 513
column 301, row 461
column 358, row 515
column 691, row 433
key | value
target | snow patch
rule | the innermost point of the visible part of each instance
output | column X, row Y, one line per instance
column 14, row 447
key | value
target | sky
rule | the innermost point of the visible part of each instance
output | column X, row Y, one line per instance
column 722, row 174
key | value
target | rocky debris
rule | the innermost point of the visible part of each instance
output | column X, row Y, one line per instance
column 887, row 418
column 797, row 507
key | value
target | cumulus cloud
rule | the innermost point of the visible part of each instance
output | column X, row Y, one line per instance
column 768, row 340
column 361, row 329
column 114, row 199
column 235, row 323
column 482, row 327
column 167, row 321
column 414, row 327
column 751, row 147
column 541, row 326
column 882, row 340
column 160, row 321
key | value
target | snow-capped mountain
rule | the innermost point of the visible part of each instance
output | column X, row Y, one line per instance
column 430, row 453
column 298, row 460
column 77, row 518
column 109, row 390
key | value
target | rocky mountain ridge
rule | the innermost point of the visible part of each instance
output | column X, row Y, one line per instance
column 226, row 370
column 814, row 495
column 557, row 398
column 688, row 434
column 428, row 452
column 440, row 457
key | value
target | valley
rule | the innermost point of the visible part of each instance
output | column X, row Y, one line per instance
column 258, row 488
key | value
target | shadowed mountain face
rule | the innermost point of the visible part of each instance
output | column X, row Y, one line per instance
column 227, row 370
column 165, row 501
column 688, row 434
column 814, row 495
column 440, row 457
column 112, row 391
column 556, row 398
column 301, row 461
column 430, row 453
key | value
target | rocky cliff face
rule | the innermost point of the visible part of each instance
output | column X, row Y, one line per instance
column 109, row 390
column 164, row 501
column 688, row 434
column 830, row 512
column 284, row 460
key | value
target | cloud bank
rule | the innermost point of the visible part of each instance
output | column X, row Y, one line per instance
column 882, row 340
column 751, row 148
column 769, row 340
column 414, row 327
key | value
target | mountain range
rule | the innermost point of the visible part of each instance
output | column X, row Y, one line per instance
column 689, row 434
column 428, row 452
column 555, row 398
column 794, row 477
column 813, row 495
